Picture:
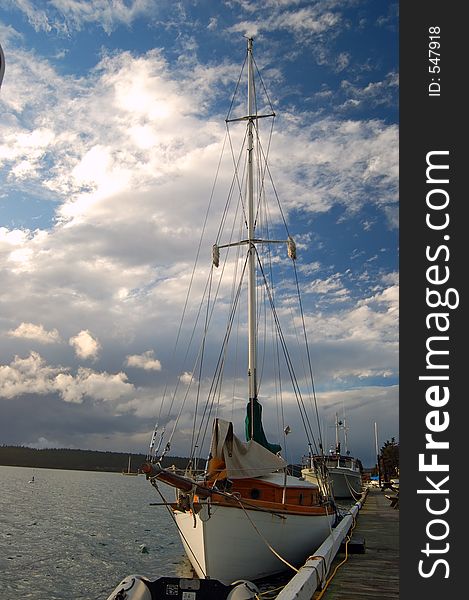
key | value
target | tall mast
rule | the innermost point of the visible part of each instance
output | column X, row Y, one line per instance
column 251, row 239
column 252, row 350
column 337, row 439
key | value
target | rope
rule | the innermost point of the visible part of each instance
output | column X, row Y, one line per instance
column 269, row 546
column 349, row 537
column 272, row 591
column 153, row 483
column 316, row 567
column 355, row 495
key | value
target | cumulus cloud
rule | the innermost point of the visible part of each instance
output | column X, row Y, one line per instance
column 35, row 332
column 32, row 375
column 99, row 386
column 186, row 378
column 367, row 152
column 146, row 361
column 85, row 345
column 112, row 154
column 332, row 286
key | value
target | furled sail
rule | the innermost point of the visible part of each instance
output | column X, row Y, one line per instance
column 241, row 459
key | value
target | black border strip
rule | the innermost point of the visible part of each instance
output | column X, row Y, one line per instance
column 432, row 119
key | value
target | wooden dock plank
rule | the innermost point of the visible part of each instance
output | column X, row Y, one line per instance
column 375, row 573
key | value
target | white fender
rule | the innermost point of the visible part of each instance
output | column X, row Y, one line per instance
column 133, row 587
column 243, row 590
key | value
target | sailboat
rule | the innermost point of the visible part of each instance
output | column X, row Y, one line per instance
column 129, row 471
column 243, row 515
column 344, row 471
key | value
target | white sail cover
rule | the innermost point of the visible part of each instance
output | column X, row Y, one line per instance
column 242, row 459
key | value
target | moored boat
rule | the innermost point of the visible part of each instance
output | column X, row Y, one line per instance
column 244, row 516
column 129, row 468
column 343, row 470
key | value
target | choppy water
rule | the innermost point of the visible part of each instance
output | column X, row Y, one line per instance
column 75, row 534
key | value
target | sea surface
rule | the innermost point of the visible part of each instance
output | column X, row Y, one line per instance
column 73, row 535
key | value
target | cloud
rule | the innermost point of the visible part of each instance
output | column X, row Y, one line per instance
column 118, row 258
column 98, row 386
column 35, row 332
column 331, row 286
column 65, row 16
column 370, row 319
column 43, row 443
column 112, row 155
column 306, row 21
column 32, row 375
column 146, row 361
column 85, row 345
column 186, row 378
column 375, row 93
column 333, row 161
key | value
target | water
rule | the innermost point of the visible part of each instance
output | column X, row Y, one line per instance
column 75, row 534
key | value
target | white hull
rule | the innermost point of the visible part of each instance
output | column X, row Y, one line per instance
column 227, row 546
column 345, row 483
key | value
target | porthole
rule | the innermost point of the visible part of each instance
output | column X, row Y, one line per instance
column 255, row 493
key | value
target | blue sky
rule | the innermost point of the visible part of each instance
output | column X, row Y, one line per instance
column 111, row 121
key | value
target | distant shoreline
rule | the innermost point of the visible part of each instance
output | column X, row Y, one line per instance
column 76, row 460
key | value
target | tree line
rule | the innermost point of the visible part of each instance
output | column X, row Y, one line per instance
column 81, row 460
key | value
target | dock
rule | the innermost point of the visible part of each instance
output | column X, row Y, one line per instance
column 371, row 568
column 375, row 573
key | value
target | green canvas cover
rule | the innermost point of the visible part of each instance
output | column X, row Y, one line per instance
column 254, row 408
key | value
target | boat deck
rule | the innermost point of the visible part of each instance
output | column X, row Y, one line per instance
column 375, row 573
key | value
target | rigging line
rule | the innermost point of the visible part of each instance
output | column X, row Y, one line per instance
column 276, row 353
column 262, row 83
column 195, row 362
column 232, row 305
column 261, row 349
column 197, row 357
column 153, row 483
column 236, row 170
column 278, row 373
column 192, row 275
column 232, row 312
column 289, row 363
column 308, row 355
column 275, row 344
column 201, row 368
column 269, row 546
column 238, row 327
column 232, row 301
column 218, row 369
column 237, row 86
column 264, row 155
column 287, row 359
column 205, row 333
column 189, row 345
column 214, row 302
column 216, row 376
column 275, row 191
column 306, row 376
column 232, row 185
